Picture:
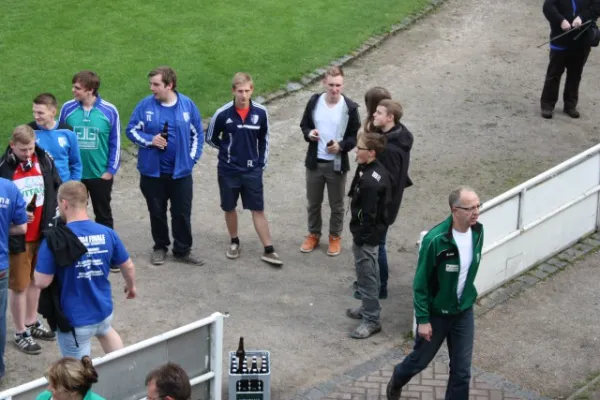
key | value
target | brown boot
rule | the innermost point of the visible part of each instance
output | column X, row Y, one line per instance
column 335, row 245
column 311, row 241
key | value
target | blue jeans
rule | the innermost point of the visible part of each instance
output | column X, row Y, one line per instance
column 3, row 301
column 382, row 261
column 458, row 330
column 80, row 344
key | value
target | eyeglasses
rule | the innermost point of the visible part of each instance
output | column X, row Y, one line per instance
column 362, row 148
column 470, row 209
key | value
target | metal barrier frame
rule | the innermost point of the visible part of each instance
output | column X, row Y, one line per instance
column 216, row 358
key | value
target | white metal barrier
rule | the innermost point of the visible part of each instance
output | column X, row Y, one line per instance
column 538, row 219
column 197, row 347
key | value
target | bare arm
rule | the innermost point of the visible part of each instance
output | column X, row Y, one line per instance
column 17, row 229
column 128, row 272
column 41, row 280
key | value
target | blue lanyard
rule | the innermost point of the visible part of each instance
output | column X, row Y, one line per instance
column 574, row 7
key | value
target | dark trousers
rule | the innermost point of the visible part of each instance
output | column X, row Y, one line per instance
column 158, row 192
column 573, row 60
column 458, row 330
column 382, row 261
column 100, row 192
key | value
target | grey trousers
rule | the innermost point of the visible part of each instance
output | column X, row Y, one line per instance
column 336, row 187
column 367, row 276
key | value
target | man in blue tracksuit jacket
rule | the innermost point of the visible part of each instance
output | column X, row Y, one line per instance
column 240, row 130
column 166, row 165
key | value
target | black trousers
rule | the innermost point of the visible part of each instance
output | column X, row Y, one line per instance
column 573, row 60
column 100, row 192
column 158, row 192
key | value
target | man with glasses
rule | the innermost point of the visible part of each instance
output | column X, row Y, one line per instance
column 371, row 196
column 444, row 293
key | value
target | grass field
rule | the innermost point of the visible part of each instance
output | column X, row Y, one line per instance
column 44, row 43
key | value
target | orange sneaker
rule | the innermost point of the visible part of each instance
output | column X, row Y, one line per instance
column 311, row 241
column 335, row 245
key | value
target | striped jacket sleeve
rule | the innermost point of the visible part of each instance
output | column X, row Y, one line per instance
column 263, row 141
column 114, row 141
column 197, row 134
column 135, row 129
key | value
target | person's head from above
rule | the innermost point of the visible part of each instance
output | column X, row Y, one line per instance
column 372, row 98
column 387, row 114
column 163, row 82
column 71, row 379
column 22, row 143
column 464, row 205
column 44, row 110
column 242, row 87
column 168, row 382
column 369, row 146
column 333, row 81
column 85, row 85
column 72, row 199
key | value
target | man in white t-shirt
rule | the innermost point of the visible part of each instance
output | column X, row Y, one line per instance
column 330, row 124
column 444, row 293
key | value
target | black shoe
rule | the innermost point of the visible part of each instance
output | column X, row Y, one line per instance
column 26, row 343
column 572, row 112
column 355, row 285
column 189, row 259
column 392, row 393
column 40, row 331
column 547, row 114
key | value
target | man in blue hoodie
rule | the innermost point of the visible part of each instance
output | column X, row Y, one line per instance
column 167, row 128
column 56, row 138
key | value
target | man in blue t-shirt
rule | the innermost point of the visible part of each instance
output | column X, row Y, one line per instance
column 85, row 290
column 56, row 138
column 13, row 221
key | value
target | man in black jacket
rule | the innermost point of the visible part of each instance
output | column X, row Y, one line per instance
column 395, row 158
column 567, row 52
column 34, row 173
column 371, row 195
column 329, row 125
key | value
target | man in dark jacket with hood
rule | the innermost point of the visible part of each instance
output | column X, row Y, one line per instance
column 35, row 175
column 568, row 52
column 395, row 158
column 330, row 124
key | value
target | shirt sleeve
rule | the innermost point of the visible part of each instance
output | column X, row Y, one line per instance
column 19, row 216
column 196, row 134
column 75, row 166
column 114, row 144
column 120, row 254
column 135, row 129
column 45, row 260
column 263, row 142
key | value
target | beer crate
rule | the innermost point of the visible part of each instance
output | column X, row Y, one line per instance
column 250, row 385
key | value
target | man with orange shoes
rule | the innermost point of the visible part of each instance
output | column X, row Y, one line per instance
column 330, row 124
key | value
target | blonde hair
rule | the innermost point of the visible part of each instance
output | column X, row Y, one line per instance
column 73, row 375
column 23, row 134
column 73, row 192
column 241, row 78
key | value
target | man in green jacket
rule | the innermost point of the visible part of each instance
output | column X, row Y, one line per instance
column 444, row 293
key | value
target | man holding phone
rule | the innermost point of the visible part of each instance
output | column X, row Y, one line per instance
column 330, row 124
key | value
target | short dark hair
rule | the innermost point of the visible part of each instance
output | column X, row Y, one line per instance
column 167, row 74
column 374, row 141
column 88, row 79
column 392, row 107
column 47, row 99
column 171, row 380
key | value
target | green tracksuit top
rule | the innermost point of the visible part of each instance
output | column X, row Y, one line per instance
column 438, row 268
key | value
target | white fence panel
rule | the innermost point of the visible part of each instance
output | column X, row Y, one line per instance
column 197, row 347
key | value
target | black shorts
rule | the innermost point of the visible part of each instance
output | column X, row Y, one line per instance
column 249, row 185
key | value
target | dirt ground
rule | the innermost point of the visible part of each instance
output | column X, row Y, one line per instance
column 469, row 77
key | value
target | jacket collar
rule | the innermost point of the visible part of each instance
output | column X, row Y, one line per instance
column 448, row 235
